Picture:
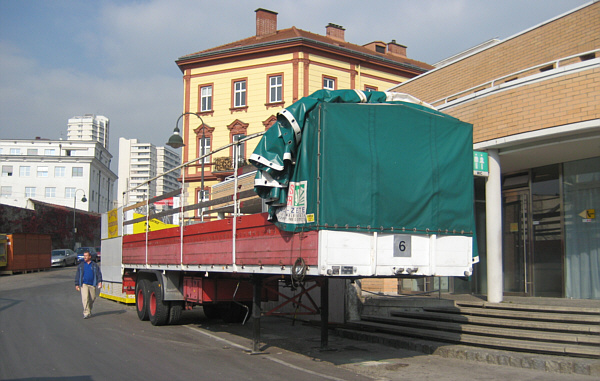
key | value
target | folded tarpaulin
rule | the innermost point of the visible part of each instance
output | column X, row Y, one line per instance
column 354, row 160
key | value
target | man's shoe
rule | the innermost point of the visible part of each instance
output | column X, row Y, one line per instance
column 87, row 316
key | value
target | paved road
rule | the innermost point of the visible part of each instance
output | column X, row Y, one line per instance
column 44, row 337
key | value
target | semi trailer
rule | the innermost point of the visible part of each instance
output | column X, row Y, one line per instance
column 346, row 184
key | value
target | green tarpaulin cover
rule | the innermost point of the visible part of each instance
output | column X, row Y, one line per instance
column 357, row 161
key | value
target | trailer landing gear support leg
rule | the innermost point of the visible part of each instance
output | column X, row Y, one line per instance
column 324, row 313
column 256, row 315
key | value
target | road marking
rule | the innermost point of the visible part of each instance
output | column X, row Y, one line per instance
column 304, row 370
column 231, row 343
column 284, row 363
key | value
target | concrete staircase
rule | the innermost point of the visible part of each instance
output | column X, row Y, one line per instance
column 565, row 330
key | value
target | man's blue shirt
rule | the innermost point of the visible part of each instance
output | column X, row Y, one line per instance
column 88, row 274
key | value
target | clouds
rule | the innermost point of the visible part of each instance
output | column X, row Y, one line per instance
column 116, row 58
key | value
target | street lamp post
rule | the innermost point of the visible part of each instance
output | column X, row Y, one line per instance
column 176, row 141
column 83, row 199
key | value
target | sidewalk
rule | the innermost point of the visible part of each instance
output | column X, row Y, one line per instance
column 377, row 357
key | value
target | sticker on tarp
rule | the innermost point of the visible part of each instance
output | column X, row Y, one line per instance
column 295, row 210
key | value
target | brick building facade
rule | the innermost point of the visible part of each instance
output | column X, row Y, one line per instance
column 534, row 102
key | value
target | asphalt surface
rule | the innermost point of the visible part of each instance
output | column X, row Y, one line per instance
column 44, row 337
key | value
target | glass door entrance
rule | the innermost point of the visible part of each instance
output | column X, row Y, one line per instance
column 516, row 242
column 533, row 259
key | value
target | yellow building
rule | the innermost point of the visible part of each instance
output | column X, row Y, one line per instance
column 238, row 88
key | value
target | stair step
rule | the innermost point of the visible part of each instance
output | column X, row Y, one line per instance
column 486, row 341
column 523, row 315
column 521, row 334
column 531, row 307
column 592, row 329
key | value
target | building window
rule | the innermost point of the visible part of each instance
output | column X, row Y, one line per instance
column 370, row 88
column 77, row 172
column 50, row 192
column 42, row 171
column 202, row 195
column 32, row 151
column 239, row 93
column 239, row 150
column 69, row 192
column 25, row 171
column 50, row 152
column 59, row 171
column 29, row 191
column 329, row 83
column 205, row 98
column 276, row 88
column 15, row 151
column 206, row 149
column 7, row 170
column 6, row 191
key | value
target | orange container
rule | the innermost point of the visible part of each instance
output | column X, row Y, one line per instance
column 28, row 252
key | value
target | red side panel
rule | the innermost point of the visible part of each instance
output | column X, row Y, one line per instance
column 258, row 242
column 212, row 290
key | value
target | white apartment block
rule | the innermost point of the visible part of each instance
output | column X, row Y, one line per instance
column 58, row 172
column 166, row 159
column 140, row 162
column 88, row 127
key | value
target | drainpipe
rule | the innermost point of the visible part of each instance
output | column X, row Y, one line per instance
column 493, row 209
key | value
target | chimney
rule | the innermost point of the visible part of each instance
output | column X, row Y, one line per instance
column 335, row 31
column 397, row 49
column 266, row 22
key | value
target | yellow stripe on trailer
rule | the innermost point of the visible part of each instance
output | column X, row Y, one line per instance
column 129, row 299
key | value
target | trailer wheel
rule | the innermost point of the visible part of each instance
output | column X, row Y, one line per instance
column 159, row 309
column 175, row 312
column 141, row 299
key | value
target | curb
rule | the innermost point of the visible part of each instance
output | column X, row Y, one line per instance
column 551, row 364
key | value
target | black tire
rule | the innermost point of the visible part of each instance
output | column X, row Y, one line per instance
column 158, row 308
column 175, row 312
column 211, row 311
column 64, row 263
column 141, row 299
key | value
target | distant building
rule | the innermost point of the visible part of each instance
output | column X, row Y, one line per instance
column 89, row 127
column 56, row 172
column 140, row 162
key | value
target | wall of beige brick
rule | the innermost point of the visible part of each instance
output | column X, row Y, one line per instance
column 554, row 102
column 574, row 33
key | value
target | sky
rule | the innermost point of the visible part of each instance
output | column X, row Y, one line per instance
column 62, row 58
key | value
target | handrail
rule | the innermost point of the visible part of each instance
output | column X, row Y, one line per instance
column 185, row 208
column 492, row 83
column 249, row 137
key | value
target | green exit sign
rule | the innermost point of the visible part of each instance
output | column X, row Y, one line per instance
column 480, row 163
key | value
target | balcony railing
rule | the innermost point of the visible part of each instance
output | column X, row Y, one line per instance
column 227, row 164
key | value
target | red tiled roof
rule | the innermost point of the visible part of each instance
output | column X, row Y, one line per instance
column 293, row 32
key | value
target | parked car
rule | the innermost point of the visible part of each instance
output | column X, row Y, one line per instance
column 98, row 251
column 64, row 257
column 92, row 251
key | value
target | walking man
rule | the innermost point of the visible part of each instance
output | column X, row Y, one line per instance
column 87, row 278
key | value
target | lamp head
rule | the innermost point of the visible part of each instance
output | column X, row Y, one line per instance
column 84, row 199
column 175, row 140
